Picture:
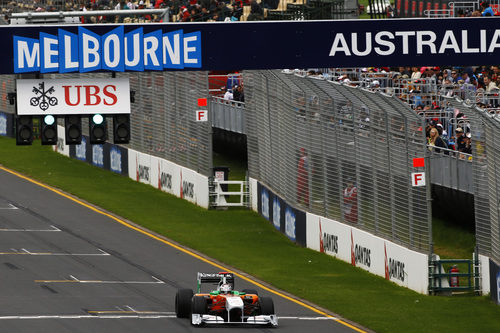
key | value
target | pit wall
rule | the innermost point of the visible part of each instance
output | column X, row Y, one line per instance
column 157, row 172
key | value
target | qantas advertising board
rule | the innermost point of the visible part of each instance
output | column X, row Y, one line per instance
column 374, row 254
column 267, row 45
column 168, row 177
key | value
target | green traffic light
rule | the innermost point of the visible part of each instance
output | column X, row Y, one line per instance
column 49, row 120
column 97, row 119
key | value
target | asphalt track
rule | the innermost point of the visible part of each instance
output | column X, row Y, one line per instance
column 66, row 266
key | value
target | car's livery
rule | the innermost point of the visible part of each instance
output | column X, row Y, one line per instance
column 224, row 305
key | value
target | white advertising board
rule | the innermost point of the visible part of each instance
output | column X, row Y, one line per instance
column 73, row 96
column 168, row 177
column 374, row 254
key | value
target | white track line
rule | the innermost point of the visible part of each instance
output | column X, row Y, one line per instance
column 135, row 315
column 101, row 253
column 73, row 279
column 54, row 228
column 23, row 251
column 88, row 317
column 11, row 206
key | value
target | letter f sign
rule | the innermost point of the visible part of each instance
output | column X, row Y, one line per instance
column 418, row 179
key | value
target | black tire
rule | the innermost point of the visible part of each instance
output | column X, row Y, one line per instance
column 199, row 305
column 183, row 303
column 250, row 291
column 266, row 305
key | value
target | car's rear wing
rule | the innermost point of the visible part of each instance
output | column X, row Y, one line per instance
column 214, row 278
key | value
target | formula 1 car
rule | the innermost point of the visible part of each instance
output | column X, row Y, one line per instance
column 224, row 305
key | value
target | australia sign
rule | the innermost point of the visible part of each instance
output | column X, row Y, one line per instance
column 261, row 45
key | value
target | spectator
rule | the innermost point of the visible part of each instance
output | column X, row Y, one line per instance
column 460, row 139
column 238, row 94
column 256, row 11
column 467, row 149
column 486, row 9
column 455, row 76
column 205, row 14
column 436, row 141
column 184, row 14
column 489, row 85
column 350, row 202
column 228, row 96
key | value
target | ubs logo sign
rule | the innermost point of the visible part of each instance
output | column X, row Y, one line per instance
column 42, row 98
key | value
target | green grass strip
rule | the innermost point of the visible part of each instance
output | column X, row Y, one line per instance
column 254, row 246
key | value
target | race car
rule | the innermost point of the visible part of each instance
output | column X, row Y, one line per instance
column 224, row 305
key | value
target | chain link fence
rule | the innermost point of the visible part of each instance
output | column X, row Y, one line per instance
column 485, row 131
column 163, row 116
column 338, row 151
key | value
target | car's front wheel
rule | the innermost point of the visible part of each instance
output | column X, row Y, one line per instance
column 199, row 305
column 266, row 305
column 183, row 303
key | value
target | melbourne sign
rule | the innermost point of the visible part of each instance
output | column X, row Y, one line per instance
column 73, row 96
column 267, row 45
column 115, row 51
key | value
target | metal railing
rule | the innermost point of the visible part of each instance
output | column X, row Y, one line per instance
column 236, row 195
column 466, row 280
column 452, row 169
column 75, row 16
column 438, row 13
column 228, row 115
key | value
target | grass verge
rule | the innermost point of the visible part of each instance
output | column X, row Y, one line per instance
column 254, row 246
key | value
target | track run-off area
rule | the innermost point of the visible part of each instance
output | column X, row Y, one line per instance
column 68, row 266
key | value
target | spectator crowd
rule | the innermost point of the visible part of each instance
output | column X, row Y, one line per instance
column 423, row 89
column 179, row 10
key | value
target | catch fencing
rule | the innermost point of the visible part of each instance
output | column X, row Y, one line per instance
column 485, row 131
column 163, row 115
column 312, row 140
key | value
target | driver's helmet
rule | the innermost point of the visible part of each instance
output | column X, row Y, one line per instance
column 225, row 288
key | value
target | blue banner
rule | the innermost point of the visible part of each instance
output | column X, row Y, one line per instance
column 261, row 45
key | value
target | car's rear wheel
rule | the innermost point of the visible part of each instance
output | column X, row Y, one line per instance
column 250, row 291
column 199, row 305
column 266, row 305
column 183, row 303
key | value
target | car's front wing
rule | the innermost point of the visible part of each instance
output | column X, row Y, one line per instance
column 197, row 319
